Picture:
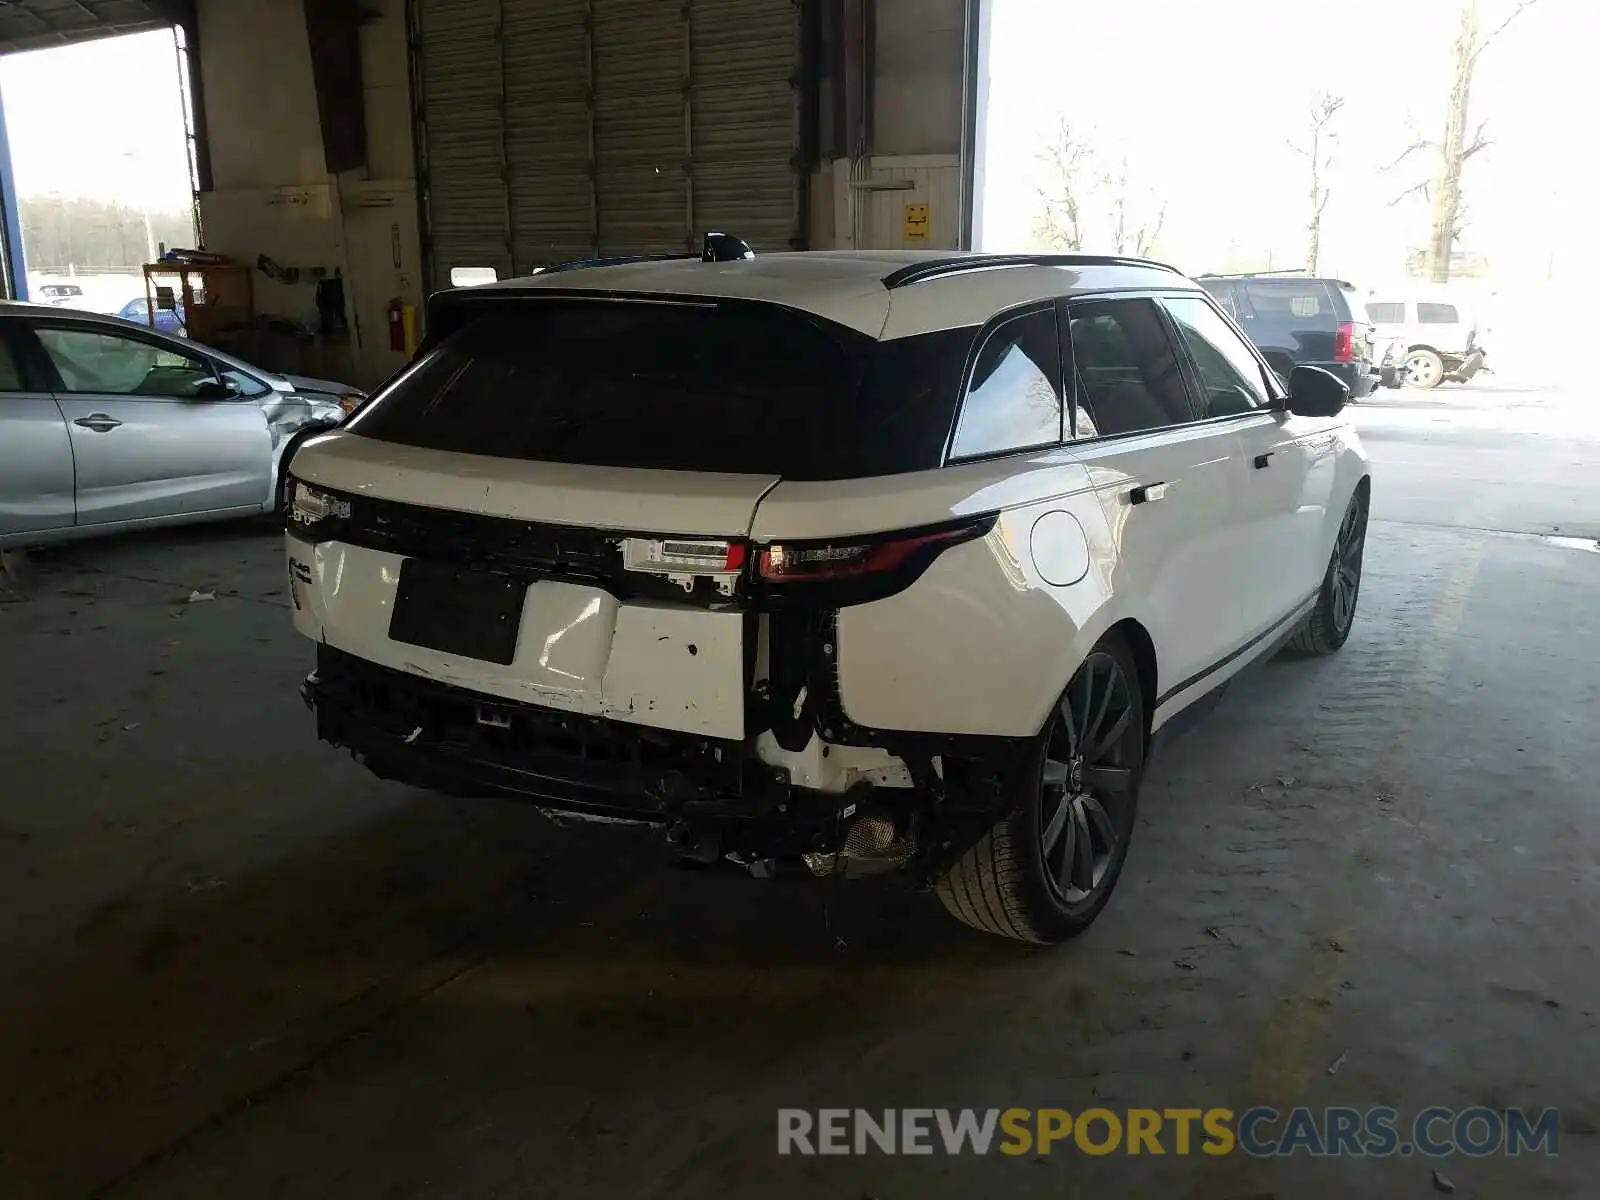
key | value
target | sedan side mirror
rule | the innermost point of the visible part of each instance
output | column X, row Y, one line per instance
column 214, row 389
column 1314, row 392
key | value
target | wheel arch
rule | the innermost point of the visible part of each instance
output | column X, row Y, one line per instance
column 1139, row 643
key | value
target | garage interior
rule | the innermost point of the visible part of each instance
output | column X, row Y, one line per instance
column 236, row 963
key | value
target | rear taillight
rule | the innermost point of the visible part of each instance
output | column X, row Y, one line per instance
column 683, row 560
column 843, row 560
column 1344, row 342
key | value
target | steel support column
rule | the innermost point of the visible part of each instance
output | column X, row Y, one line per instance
column 13, row 265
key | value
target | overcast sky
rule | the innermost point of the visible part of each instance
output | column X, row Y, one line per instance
column 102, row 119
column 1201, row 97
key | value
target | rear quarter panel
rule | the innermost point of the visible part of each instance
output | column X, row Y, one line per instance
column 983, row 642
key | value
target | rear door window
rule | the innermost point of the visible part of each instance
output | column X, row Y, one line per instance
column 1128, row 377
column 1437, row 314
column 724, row 386
column 1386, row 313
column 1013, row 399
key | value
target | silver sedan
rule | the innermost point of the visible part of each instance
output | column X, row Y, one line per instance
column 107, row 426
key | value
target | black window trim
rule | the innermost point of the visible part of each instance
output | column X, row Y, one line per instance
column 1179, row 351
column 52, row 377
column 24, row 349
column 981, row 339
column 1191, row 369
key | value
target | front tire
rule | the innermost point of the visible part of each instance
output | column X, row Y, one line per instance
column 1046, row 870
column 1328, row 625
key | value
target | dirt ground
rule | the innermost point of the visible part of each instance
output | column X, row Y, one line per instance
column 235, row 964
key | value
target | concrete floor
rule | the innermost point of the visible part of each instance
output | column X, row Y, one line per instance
column 234, row 964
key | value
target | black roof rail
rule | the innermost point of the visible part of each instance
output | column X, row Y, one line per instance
column 1253, row 274
column 1287, row 272
column 933, row 268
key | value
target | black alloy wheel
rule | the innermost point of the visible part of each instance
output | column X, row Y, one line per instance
column 1047, row 869
column 1328, row 625
column 1346, row 567
column 1085, row 784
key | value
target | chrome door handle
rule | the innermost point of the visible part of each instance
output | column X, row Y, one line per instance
column 99, row 422
column 1147, row 493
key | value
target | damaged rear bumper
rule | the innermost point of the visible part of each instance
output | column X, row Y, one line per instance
column 438, row 736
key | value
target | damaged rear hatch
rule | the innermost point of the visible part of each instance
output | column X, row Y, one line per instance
column 553, row 504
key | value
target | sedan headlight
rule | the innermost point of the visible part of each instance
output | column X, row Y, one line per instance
column 350, row 401
column 310, row 505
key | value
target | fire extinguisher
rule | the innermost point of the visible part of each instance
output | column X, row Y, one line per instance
column 395, row 311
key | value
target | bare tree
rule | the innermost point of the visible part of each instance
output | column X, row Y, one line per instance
column 1318, row 151
column 1453, row 149
column 1059, row 225
column 1131, row 235
column 1082, row 207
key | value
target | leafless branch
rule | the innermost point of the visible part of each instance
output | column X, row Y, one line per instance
column 1479, row 142
column 1300, row 150
column 1483, row 44
column 1419, row 144
column 1425, row 188
column 1323, row 107
column 1147, row 239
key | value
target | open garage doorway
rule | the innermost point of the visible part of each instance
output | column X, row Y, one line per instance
column 102, row 166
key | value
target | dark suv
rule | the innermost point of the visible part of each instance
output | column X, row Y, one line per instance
column 1301, row 320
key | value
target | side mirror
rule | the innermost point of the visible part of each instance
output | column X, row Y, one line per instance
column 214, row 389
column 1314, row 392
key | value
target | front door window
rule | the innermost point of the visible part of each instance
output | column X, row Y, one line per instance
column 116, row 365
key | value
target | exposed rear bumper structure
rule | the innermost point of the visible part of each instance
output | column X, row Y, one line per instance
column 703, row 791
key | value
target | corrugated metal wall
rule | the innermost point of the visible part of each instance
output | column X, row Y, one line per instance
column 557, row 129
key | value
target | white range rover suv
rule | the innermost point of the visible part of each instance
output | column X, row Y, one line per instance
column 824, row 561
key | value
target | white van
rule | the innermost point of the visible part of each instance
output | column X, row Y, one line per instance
column 1439, row 337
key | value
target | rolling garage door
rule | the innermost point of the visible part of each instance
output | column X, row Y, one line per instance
column 558, row 129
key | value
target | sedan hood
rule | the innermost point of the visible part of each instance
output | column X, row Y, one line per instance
column 304, row 383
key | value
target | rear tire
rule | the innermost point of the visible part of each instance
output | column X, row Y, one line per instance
column 1424, row 369
column 1328, row 625
column 1046, row 870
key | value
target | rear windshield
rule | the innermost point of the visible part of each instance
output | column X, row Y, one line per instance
column 1293, row 301
column 734, row 386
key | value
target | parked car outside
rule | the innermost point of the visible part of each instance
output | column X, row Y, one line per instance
column 825, row 562
column 1439, row 334
column 1302, row 320
column 106, row 427
column 68, row 294
column 168, row 320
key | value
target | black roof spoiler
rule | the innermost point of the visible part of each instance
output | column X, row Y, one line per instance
column 447, row 308
column 717, row 247
column 933, row 268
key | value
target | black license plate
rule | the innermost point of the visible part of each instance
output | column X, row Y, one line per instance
column 458, row 610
